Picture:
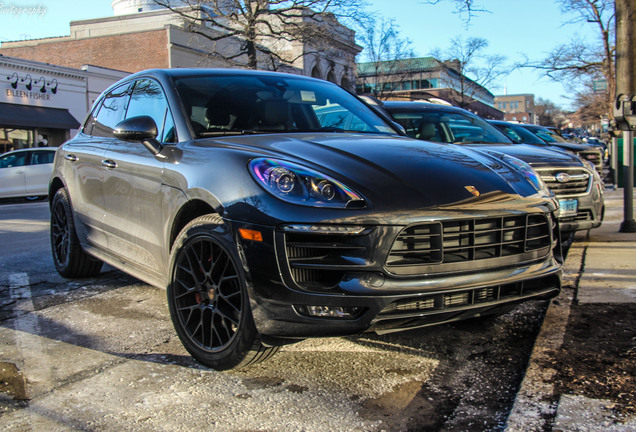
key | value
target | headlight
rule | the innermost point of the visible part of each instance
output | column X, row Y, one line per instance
column 300, row 185
column 526, row 170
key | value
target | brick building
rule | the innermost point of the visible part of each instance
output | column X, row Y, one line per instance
column 519, row 107
column 44, row 104
column 427, row 79
column 142, row 35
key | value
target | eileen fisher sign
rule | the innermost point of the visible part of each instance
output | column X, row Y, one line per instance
column 28, row 94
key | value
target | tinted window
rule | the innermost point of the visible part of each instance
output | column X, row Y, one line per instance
column 450, row 127
column 13, row 160
column 220, row 104
column 519, row 134
column 148, row 99
column 42, row 157
column 111, row 111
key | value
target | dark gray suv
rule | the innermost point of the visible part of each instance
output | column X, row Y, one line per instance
column 276, row 207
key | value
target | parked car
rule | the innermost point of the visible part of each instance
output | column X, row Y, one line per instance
column 25, row 173
column 586, row 152
column 267, row 225
column 575, row 182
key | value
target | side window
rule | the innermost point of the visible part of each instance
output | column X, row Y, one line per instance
column 13, row 160
column 42, row 157
column 148, row 99
column 111, row 111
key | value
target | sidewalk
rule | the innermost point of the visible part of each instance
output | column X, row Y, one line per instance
column 582, row 372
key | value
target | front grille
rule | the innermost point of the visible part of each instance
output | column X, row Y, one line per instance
column 450, row 242
column 315, row 260
column 577, row 182
column 466, row 299
column 581, row 216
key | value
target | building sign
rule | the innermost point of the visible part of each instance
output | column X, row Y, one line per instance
column 599, row 86
column 28, row 89
column 27, row 94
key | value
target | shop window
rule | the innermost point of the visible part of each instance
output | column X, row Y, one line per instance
column 14, row 139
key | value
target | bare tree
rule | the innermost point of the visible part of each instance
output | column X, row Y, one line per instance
column 548, row 113
column 386, row 57
column 590, row 104
column 466, row 8
column 579, row 62
column 474, row 69
column 263, row 30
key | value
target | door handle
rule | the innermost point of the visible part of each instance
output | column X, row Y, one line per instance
column 109, row 164
column 70, row 157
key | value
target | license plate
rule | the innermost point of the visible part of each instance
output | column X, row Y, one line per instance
column 568, row 207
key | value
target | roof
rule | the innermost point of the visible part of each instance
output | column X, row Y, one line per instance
column 402, row 65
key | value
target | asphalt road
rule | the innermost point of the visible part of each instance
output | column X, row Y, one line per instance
column 101, row 354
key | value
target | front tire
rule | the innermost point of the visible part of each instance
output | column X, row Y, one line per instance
column 208, row 300
column 70, row 259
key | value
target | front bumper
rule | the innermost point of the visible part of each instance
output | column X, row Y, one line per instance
column 291, row 280
column 580, row 185
column 589, row 214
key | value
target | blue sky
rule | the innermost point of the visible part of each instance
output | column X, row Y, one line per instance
column 512, row 27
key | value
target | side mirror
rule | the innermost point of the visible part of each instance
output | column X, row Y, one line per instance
column 139, row 129
column 400, row 128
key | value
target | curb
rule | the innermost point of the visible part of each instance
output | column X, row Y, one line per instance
column 535, row 406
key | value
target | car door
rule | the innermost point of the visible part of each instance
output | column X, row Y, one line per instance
column 133, row 186
column 38, row 172
column 12, row 174
column 85, row 169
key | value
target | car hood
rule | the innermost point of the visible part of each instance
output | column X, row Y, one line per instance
column 390, row 170
column 534, row 155
column 571, row 146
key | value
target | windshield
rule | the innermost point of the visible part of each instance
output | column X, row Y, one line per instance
column 518, row 134
column 448, row 127
column 243, row 104
column 547, row 135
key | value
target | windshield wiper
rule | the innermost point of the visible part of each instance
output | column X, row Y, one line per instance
column 229, row 132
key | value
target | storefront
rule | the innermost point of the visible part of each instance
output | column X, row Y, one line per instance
column 42, row 104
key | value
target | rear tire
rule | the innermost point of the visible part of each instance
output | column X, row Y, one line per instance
column 70, row 259
column 208, row 300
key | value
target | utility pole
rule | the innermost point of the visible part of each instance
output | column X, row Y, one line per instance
column 625, row 102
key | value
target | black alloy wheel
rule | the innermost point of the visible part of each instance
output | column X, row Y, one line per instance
column 208, row 299
column 70, row 259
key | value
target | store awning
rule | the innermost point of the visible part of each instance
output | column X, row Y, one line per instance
column 17, row 116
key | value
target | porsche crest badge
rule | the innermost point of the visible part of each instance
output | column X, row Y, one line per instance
column 473, row 190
